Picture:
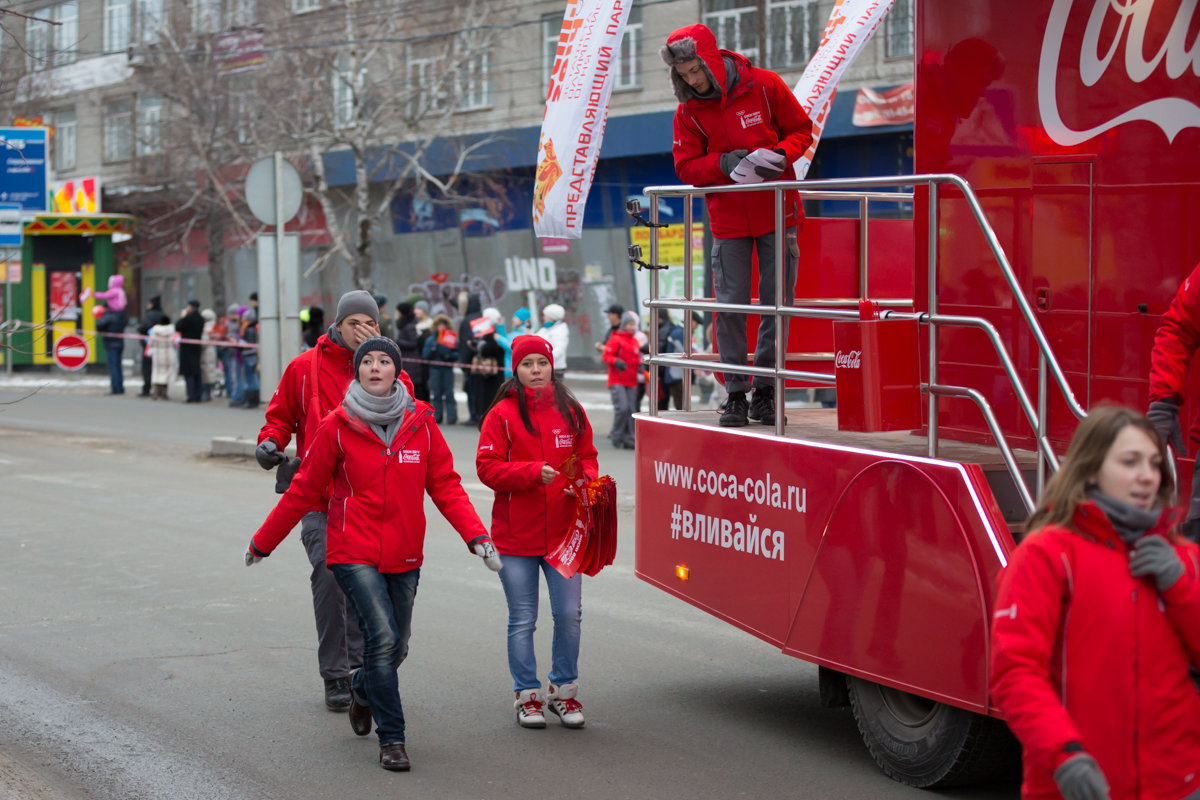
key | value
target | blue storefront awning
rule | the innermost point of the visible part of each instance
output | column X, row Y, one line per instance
column 624, row 137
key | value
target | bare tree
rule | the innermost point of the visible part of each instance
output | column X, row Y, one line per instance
column 380, row 82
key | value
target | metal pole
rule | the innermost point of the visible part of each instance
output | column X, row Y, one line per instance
column 652, row 330
column 280, row 265
column 688, row 268
column 781, row 323
column 931, row 266
column 8, row 315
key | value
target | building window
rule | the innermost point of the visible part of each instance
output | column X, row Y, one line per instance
column 794, row 30
column 116, row 25
column 551, row 27
column 118, row 130
column 303, row 6
column 64, row 139
column 898, row 29
column 241, row 13
column 735, row 25
column 474, row 83
column 206, row 16
column 149, row 124
column 346, row 92
column 66, row 34
column 37, row 44
column 629, row 58
column 149, row 20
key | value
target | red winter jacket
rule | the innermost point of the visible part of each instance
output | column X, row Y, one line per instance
column 376, row 512
column 1082, row 651
column 530, row 518
column 1176, row 340
column 314, row 383
column 622, row 347
column 761, row 111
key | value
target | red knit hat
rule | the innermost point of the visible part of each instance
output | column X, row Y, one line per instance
column 529, row 344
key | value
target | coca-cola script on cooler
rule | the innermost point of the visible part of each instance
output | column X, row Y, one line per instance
column 849, row 360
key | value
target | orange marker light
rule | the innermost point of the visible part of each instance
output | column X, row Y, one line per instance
column 681, row 572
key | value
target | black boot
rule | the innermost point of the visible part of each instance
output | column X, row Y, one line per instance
column 736, row 409
column 251, row 398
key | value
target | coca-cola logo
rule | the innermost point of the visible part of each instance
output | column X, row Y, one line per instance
column 851, row 359
column 1143, row 47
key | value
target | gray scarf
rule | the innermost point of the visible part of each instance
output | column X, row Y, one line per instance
column 1130, row 522
column 336, row 338
column 383, row 414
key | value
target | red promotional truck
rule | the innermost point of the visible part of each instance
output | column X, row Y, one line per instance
column 1055, row 212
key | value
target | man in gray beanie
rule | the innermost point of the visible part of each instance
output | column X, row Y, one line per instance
column 737, row 123
column 314, row 384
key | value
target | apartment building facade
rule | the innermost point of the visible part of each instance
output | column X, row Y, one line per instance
column 459, row 91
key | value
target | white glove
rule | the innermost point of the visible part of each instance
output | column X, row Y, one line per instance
column 487, row 551
column 768, row 164
column 745, row 172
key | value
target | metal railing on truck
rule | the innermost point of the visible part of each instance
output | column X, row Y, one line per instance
column 860, row 190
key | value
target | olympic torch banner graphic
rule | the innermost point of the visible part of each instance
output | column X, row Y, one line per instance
column 576, row 109
column 850, row 25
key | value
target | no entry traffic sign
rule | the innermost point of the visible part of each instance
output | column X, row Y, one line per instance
column 71, row 352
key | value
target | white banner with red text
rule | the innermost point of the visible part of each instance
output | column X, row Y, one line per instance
column 581, row 83
column 850, row 26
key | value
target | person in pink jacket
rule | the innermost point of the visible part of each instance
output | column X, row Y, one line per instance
column 534, row 432
column 737, row 123
column 1096, row 622
column 378, row 453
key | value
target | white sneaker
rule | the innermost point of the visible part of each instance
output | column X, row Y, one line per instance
column 529, row 709
column 563, row 704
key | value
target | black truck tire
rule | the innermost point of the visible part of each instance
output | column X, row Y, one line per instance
column 927, row 744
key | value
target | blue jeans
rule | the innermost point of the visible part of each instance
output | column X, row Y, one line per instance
column 441, row 394
column 384, row 605
column 230, row 363
column 249, row 382
column 520, row 580
column 116, row 376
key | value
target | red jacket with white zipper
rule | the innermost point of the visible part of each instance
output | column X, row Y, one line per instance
column 530, row 518
column 376, row 511
column 761, row 111
column 1084, row 652
column 313, row 384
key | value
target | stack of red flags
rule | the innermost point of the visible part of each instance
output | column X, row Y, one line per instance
column 591, row 543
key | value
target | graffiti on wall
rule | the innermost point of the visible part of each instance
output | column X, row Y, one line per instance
column 442, row 295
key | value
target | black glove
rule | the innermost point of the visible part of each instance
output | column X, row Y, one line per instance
column 285, row 473
column 732, row 159
column 267, row 454
column 252, row 555
column 1164, row 415
column 620, row 365
column 1080, row 778
column 1154, row 556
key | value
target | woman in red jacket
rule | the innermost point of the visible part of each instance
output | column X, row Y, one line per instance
column 1097, row 621
column 534, row 428
column 379, row 452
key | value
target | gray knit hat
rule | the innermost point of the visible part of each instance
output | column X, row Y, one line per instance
column 357, row 302
column 381, row 344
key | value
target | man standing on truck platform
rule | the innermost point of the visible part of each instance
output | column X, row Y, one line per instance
column 1175, row 342
column 737, row 123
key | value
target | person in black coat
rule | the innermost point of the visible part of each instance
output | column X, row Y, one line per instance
column 191, row 326
column 467, row 350
column 409, row 342
column 153, row 316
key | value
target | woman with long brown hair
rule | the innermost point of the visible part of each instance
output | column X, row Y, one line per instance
column 1097, row 621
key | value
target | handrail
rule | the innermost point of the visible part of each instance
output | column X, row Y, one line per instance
column 821, row 189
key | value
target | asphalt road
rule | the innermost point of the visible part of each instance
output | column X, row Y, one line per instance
column 140, row 659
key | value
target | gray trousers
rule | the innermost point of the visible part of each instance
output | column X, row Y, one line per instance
column 624, row 400
column 731, row 265
column 339, row 640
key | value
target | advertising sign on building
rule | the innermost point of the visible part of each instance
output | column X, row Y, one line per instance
column 24, row 178
column 76, row 196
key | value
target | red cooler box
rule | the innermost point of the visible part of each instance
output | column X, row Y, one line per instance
column 878, row 372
